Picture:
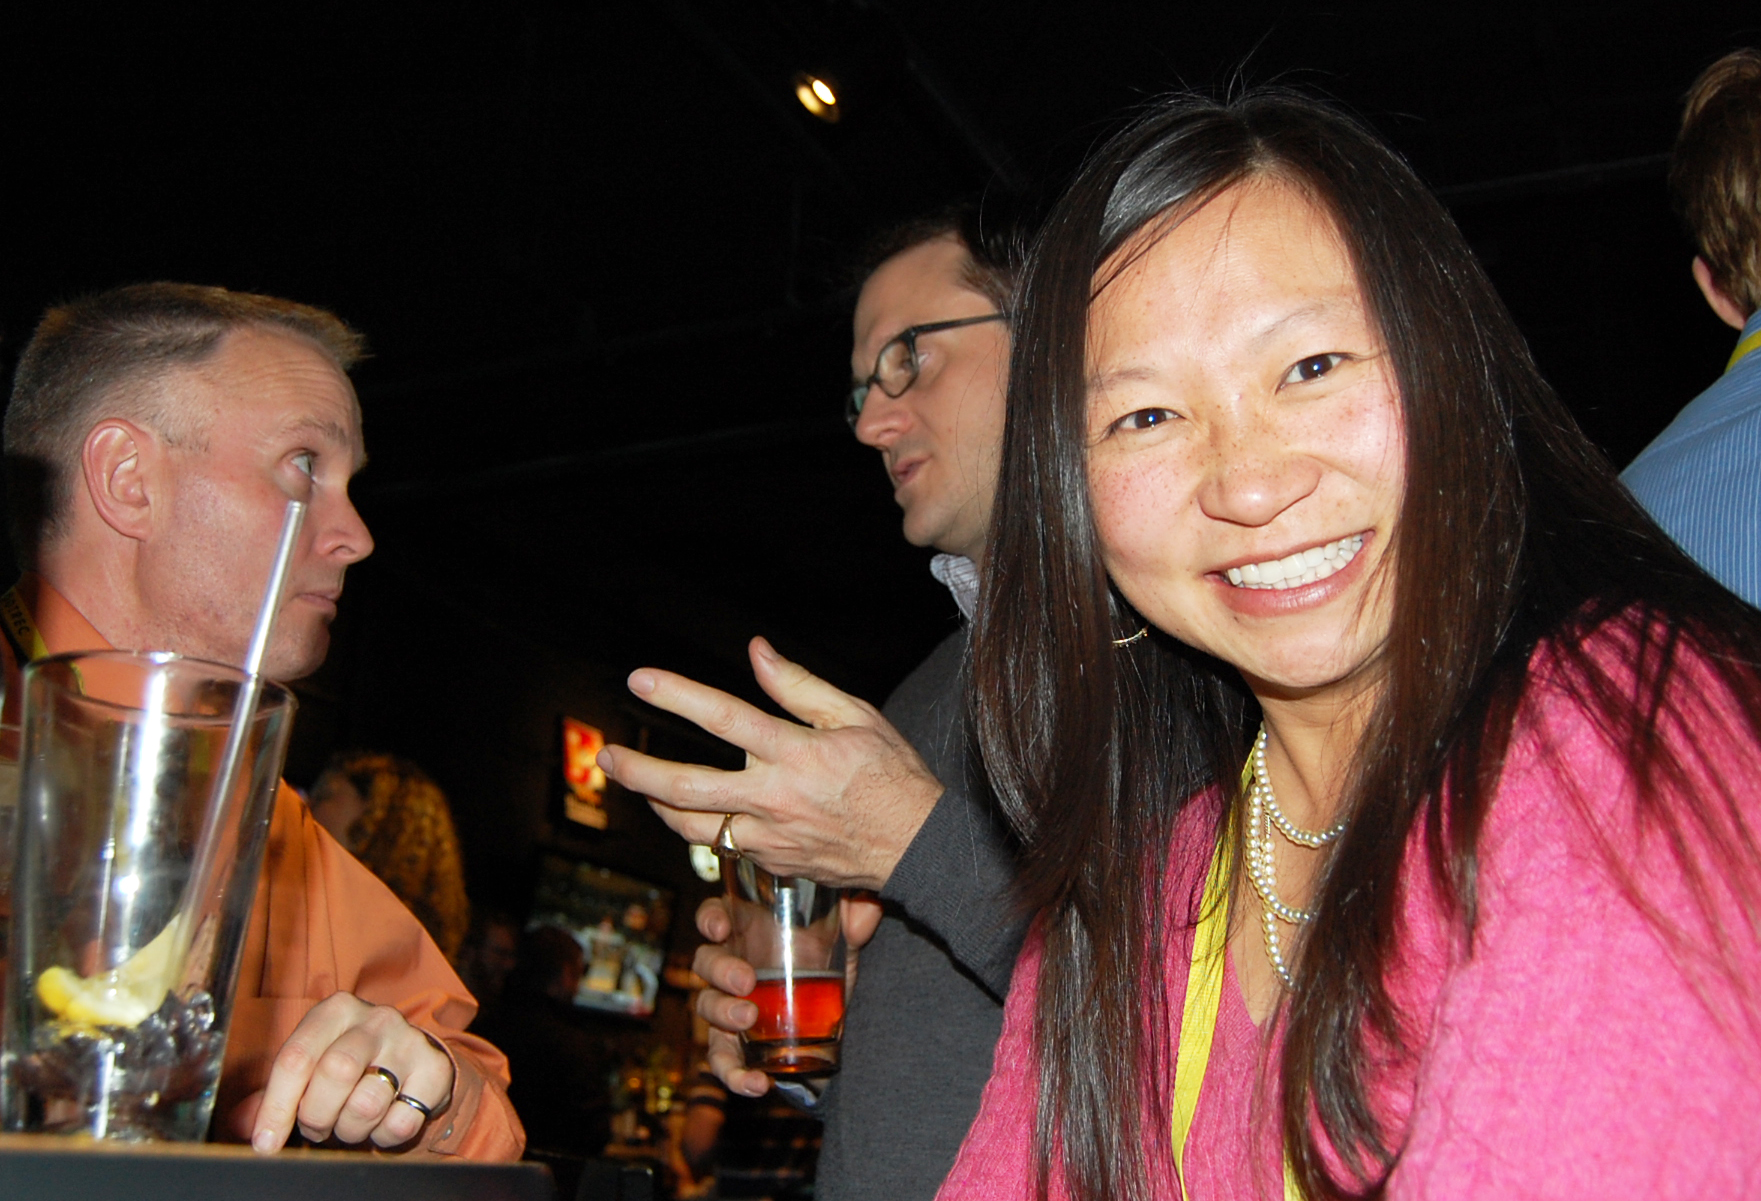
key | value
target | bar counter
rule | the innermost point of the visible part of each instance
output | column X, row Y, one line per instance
column 54, row 1167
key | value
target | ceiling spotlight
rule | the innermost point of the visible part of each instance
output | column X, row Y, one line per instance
column 817, row 96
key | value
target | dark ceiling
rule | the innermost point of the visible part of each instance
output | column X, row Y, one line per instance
column 599, row 251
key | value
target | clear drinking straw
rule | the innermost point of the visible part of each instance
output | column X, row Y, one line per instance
column 244, row 712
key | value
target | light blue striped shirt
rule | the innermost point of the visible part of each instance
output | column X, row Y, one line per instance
column 1701, row 478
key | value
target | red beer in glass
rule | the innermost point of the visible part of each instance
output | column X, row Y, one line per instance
column 786, row 927
column 800, row 1016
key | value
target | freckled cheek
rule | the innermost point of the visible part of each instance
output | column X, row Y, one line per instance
column 1135, row 519
column 1107, row 499
column 1364, row 440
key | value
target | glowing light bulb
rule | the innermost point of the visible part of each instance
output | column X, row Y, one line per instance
column 817, row 96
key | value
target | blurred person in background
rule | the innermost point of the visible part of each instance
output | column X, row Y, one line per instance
column 748, row 1147
column 489, row 953
column 744, row 1147
column 561, row 1071
column 395, row 819
column 1701, row 477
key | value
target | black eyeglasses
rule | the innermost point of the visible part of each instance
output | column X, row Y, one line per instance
column 896, row 367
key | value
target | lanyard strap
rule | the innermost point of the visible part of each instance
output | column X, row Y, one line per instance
column 1204, row 998
column 26, row 640
column 1204, row 1001
column 1747, row 346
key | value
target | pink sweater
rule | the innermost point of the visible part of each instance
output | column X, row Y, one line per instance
column 1573, row 1054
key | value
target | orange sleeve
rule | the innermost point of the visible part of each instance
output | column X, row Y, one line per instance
column 322, row 923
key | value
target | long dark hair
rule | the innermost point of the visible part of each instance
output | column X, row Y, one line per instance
column 1513, row 532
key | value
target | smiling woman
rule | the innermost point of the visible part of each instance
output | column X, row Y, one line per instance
column 1226, row 454
column 1418, row 854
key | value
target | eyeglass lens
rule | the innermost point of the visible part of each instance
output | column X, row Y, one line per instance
column 895, row 370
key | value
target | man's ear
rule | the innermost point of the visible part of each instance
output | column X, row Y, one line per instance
column 118, row 461
column 1723, row 305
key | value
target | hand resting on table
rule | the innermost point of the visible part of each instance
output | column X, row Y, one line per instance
column 320, row 1079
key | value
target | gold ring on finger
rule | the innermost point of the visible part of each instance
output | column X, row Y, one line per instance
column 724, row 843
column 387, row 1075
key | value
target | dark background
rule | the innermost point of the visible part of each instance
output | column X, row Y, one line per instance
column 600, row 253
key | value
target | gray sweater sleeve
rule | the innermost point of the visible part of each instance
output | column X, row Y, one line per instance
column 955, row 877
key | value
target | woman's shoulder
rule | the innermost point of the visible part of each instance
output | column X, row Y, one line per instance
column 1637, row 693
column 1600, row 1017
column 1629, row 801
column 1641, row 654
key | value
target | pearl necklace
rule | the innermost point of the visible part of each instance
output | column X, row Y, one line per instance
column 1295, row 833
column 1263, row 816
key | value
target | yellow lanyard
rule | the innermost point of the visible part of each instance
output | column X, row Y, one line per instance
column 1746, row 346
column 19, row 625
column 1204, row 999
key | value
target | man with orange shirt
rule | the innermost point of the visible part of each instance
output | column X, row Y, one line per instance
column 154, row 438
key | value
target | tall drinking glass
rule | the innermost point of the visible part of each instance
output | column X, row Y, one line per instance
column 132, row 889
column 9, row 740
column 786, row 927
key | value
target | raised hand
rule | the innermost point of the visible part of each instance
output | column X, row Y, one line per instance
column 837, row 800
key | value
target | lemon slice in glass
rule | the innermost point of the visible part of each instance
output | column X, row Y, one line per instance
column 124, row 996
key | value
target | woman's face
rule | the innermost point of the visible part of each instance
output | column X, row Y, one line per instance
column 1246, row 462
column 337, row 804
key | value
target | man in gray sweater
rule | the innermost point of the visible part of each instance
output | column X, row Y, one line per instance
column 882, row 801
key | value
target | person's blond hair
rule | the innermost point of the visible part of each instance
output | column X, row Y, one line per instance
column 405, row 836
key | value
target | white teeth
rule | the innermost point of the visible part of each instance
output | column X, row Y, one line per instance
column 1294, row 570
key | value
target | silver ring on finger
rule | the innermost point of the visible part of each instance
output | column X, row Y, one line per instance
column 724, row 843
column 414, row 1104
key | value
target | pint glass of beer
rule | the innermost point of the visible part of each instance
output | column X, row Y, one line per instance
column 786, row 927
